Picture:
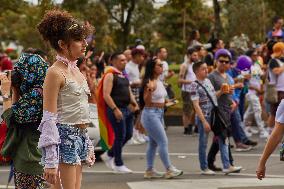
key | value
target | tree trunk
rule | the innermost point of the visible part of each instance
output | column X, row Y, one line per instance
column 218, row 24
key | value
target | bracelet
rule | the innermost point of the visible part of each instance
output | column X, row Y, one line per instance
column 114, row 108
column 6, row 96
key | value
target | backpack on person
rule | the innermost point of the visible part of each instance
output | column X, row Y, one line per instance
column 217, row 122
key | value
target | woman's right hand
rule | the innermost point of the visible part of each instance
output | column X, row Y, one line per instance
column 260, row 171
column 50, row 175
column 118, row 114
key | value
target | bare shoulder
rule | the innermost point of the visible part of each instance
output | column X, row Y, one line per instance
column 54, row 75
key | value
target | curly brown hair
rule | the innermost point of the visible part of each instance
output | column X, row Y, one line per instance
column 60, row 25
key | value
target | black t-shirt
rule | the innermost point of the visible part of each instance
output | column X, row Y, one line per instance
column 273, row 63
column 209, row 59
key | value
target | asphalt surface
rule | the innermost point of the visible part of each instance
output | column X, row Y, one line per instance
column 183, row 153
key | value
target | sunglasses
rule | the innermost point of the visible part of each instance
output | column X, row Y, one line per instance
column 161, row 65
column 224, row 61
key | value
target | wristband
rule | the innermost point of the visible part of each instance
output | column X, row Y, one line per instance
column 114, row 108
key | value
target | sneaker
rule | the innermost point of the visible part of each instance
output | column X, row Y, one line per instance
column 232, row 169
column 207, row 172
column 146, row 138
column 264, row 134
column 253, row 130
column 109, row 161
column 121, row 169
column 140, row 138
column 152, row 174
column 240, row 147
column 214, row 168
column 173, row 172
column 250, row 143
column 247, row 132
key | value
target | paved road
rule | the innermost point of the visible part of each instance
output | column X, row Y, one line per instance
column 184, row 155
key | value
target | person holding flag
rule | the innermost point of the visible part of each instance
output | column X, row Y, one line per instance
column 115, row 118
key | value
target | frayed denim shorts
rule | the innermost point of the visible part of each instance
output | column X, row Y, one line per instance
column 73, row 148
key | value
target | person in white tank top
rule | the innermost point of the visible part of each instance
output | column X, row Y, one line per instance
column 152, row 118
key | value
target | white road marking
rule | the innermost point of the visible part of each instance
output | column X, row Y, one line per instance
column 196, row 154
column 205, row 183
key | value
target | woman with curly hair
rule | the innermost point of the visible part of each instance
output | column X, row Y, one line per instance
column 64, row 141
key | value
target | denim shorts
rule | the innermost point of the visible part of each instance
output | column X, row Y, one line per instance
column 73, row 148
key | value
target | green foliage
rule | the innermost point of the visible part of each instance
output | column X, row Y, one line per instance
column 249, row 17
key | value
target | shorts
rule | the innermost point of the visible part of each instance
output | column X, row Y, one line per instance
column 187, row 103
column 280, row 113
column 273, row 107
column 73, row 148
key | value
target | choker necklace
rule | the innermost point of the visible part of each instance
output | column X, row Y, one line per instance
column 70, row 64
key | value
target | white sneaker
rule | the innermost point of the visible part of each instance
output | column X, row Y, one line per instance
column 253, row 130
column 121, row 169
column 173, row 172
column 247, row 132
column 232, row 169
column 140, row 138
column 152, row 174
column 109, row 161
column 264, row 134
column 207, row 172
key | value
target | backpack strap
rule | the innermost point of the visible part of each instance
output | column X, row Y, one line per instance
column 207, row 93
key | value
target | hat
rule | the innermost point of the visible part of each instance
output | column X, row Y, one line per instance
column 223, row 52
column 278, row 49
column 136, row 51
column 244, row 63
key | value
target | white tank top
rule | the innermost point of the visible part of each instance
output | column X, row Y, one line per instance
column 159, row 94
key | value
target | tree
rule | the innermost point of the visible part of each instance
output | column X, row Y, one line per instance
column 218, row 29
column 121, row 12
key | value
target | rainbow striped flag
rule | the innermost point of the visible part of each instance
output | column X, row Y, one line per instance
column 106, row 130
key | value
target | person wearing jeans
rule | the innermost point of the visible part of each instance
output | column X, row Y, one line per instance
column 152, row 119
column 204, row 98
column 118, row 97
column 123, row 132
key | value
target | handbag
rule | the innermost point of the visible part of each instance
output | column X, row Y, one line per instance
column 217, row 122
column 271, row 93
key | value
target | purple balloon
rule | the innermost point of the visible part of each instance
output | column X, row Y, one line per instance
column 244, row 63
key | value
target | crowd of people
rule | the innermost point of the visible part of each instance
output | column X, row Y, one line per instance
column 232, row 90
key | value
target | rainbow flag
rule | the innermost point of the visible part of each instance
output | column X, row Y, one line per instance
column 106, row 130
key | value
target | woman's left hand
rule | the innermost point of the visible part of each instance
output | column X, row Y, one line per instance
column 5, row 84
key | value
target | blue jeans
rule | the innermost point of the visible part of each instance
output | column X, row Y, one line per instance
column 122, row 131
column 153, row 121
column 203, row 140
column 238, row 127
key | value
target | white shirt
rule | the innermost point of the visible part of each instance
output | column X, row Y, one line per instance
column 132, row 71
column 165, row 71
column 190, row 76
column 256, row 73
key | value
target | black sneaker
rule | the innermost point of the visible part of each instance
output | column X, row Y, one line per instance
column 185, row 132
column 195, row 129
column 214, row 168
column 250, row 143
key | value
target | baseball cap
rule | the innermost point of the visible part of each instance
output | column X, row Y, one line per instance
column 223, row 52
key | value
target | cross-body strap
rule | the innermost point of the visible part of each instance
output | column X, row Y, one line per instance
column 208, row 95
